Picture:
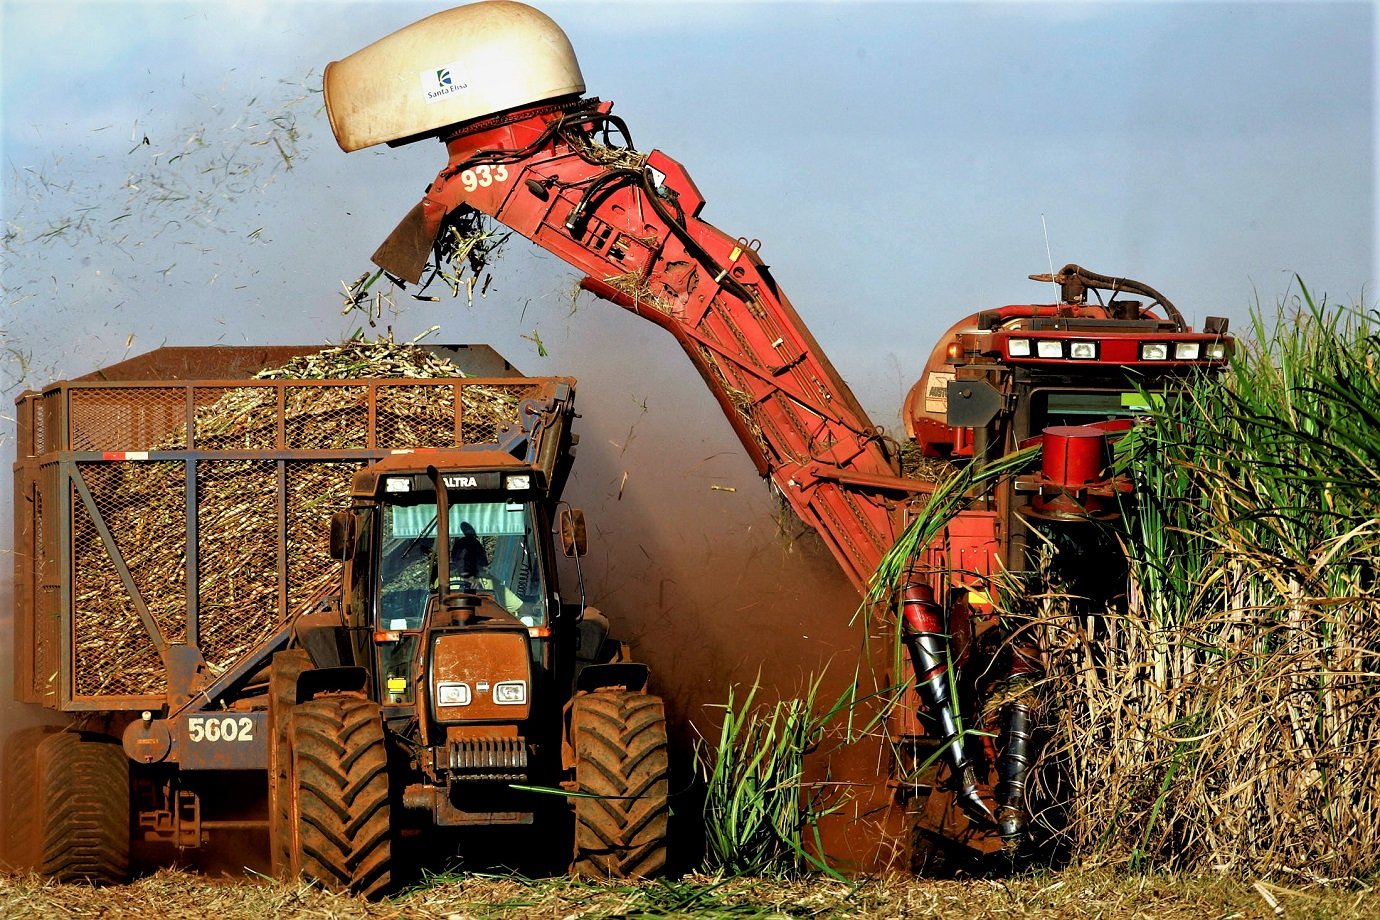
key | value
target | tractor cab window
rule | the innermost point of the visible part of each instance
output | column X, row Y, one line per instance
column 493, row 551
column 1083, row 407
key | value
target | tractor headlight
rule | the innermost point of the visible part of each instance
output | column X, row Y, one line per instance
column 518, row 482
column 1217, row 351
column 1187, row 351
column 510, row 692
column 1154, row 351
column 397, row 484
column 1018, row 348
column 1049, row 348
column 1083, row 351
column 452, row 694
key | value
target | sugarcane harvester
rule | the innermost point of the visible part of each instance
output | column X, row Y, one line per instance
column 498, row 83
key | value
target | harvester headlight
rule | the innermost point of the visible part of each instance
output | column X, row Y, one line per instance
column 1083, row 351
column 1187, row 351
column 397, row 484
column 518, row 482
column 452, row 694
column 1154, row 351
column 1018, row 348
column 510, row 692
column 1217, row 351
column 1049, row 348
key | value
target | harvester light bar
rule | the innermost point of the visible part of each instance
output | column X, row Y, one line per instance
column 517, row 482
column 1049, row 348
column 452, row 694
column 1154, row 351
column 1187, row 351
column 1018, row 348
column 1217, row 351
column 397, row 484
column 510, row 692
column 1083, row 351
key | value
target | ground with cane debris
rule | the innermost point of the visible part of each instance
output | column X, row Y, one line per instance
column 171, row 895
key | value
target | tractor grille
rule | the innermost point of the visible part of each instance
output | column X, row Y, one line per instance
column 488, row 760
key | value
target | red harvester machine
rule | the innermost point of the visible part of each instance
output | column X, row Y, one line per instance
column 498, row 83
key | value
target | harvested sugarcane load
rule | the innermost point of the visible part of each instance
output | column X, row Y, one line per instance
column 143, row 504
column 188, row 511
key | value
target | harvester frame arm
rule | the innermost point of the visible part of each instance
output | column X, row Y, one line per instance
column 630, row 222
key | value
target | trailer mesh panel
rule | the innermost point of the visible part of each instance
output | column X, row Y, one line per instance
column 253, row 517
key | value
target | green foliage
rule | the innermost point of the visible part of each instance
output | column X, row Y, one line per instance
column 760, row 813
column 1224, row 718
column 950, row 496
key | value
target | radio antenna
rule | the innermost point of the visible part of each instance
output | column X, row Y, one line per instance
column 1049, row 255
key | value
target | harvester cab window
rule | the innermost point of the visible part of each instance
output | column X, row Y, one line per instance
column 1082, row 407
column 493, row 551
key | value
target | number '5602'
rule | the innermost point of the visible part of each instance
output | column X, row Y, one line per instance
column 220, row 728
column 483, row 176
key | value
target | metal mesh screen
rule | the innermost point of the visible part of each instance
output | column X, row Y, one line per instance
column 246, row 527
column 47, row 422
column 326, row 417
column 32, row 413
column 47, row 626
column 237, row 556
column 415, row 415
column 125, row 419
column 488, row 409
column 315, row 491
column 235, row 418
column 144, row 507
column 112, row 653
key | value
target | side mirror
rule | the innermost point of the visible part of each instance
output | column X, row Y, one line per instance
column 572, row 529
column 343, row 529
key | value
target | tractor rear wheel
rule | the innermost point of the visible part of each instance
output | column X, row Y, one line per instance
column 287, row 666
column 82, row 793
column 340, row 821
column 621, row 772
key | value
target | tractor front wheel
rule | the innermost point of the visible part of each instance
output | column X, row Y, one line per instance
column 621, row 773
column 340, row 822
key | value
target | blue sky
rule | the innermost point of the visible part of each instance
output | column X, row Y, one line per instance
column 900, row 163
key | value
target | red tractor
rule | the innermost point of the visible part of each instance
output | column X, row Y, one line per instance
column 500, row 87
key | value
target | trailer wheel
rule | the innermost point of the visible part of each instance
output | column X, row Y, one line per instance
column 622, row 767
column 287, row 666
column 341, row 823
column 20, row 790
column 82, row 793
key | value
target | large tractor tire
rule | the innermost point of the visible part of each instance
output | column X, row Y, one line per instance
column 621, row 773
column 20, row 790
column 81, row 823
column 340, row 821
column 287, row 666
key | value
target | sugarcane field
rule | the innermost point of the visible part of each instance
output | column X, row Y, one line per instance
column 796, row 458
